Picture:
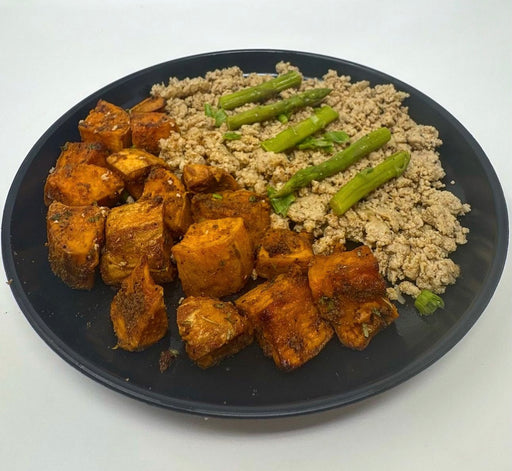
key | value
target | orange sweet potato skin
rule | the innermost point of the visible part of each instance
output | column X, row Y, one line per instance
column 108, row 124
column 212, row 329
column 134, row 230
column 83, row 184
column 287, row 323
column 75, row 153
column 281, row 250
column 200, row 178
column 138, row 312
column 75, row 236
column 254, row 209
column 214, row 258
column 350, row 292
column 149, row 104
column 148, row 128
column 133, row 166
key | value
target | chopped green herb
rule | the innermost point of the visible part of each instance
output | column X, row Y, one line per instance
column 325, row 141
column 216, row 196
column 218, row 115
column 366, row 329
column 95, row 218
column 280, row 204
column 208, row 110
column 336, row 136
column 231, row 136
column 283, row 118
column 427, row 302
column 327, row 302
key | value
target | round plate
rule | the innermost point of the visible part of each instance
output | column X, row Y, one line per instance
column 77, row 326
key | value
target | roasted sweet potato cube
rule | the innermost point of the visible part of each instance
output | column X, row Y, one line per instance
column 133, row 165
column 282, row 249
column 350, row 292
column 214, row 258
column 75, row 236
column 75, row 153
column 212, row 329
column 108, row 124
column 138, row 311
column 152, row 103
column 83, row 184
column 134, row 230
column 254, row 209
column 148, row 128
column 177, row 214
column 200, row 178
column 287, row 323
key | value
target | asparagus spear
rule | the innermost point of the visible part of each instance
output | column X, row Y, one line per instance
column 337, row 163
column 260, row 92
column 292, row 135
column 368, row 180
column 273, row 110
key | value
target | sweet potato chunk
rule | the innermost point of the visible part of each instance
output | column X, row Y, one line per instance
column 75, row 153
column 75, row 236
column 214, row 258
column 212, row 329
column 133, row 165
column 134, row 230
column 152, row 103
column 83, row 184
column 108, row 124
column 287, row 323
column 138, row 310
column 200, row 178
column 281, row 249
column 148, row 128
column 251, row 207
column 350, row 292
column 177, row 214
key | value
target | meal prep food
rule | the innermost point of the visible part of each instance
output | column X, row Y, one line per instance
column 322, row 194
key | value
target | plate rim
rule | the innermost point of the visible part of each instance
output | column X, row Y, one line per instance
column 203, row 408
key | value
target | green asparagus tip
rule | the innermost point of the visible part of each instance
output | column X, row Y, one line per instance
column 261, row 92
column 427, row 302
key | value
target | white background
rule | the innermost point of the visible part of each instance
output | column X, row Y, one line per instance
column 455, row 415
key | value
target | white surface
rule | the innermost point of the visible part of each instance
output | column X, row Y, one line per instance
column 455, row 415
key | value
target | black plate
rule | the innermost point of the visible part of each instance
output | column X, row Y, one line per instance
column 76, row 324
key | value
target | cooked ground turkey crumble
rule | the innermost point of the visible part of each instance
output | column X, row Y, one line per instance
column 411, row 223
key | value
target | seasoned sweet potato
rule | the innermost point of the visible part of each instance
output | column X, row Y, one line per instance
column 75, row 236
column 177, row 214
column 133, row 165
column 212, row 329
column 251, row 207
column 108, row 124
column 200, row 178
column 214, row 258
column 134, row 230
column 282, row 249
column 287, row 323
column 350, row 292
column 152, row 103
column 83, row 184
column 75, row 153
column 138, row 311
column 148, row 128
